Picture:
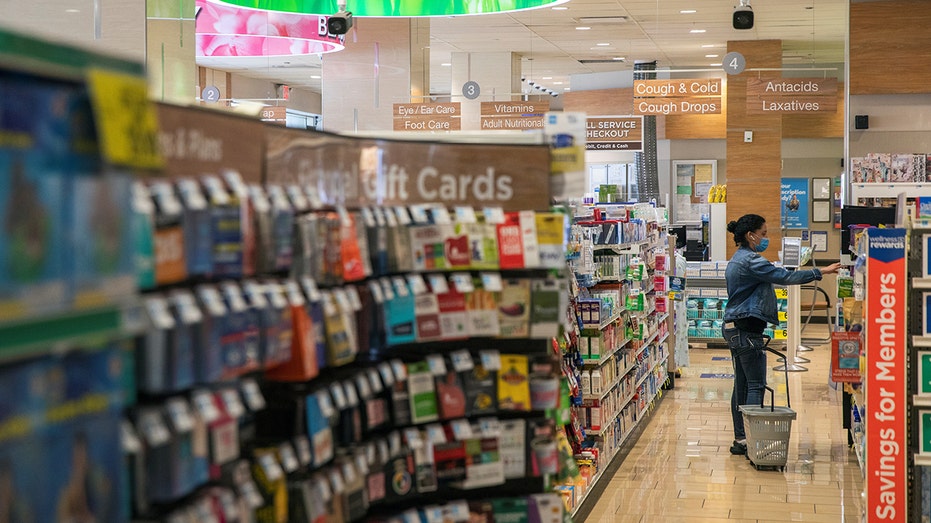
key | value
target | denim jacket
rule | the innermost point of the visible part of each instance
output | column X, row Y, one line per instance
column 750, row 278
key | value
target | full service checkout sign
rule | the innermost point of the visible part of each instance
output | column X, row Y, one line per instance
column 677, row 97
column 886, row 377
column 614, row 133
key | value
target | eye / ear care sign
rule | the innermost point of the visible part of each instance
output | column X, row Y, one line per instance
column 886, row 377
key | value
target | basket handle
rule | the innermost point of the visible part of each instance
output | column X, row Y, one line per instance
column 772, row 399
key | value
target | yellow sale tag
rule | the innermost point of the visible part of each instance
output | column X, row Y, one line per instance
column 127, row 125
column 780, row 334
column 783, row 316
column 782, row 294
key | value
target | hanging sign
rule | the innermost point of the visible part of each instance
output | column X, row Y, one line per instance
column 428, row 117
column 614, row 133
column 506, row 116
column 676, row 97
column 345, row 171
column 885, row 382
column 791, row 95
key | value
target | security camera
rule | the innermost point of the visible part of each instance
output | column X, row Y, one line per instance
column 340, row 23
column 743, row 15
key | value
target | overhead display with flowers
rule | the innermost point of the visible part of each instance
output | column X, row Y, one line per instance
column 398, row 7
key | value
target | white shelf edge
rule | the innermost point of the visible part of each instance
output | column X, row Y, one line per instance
column 920, row 400
column 923, row 460
column 921, row 283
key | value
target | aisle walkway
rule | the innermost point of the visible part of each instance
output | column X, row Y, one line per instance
column 681, row 470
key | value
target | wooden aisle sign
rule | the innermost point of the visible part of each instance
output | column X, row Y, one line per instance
column 428, row 117
column 363, row 172
column 614, row 133
column 675, row 97
column 513, row 115
column 196, row 140
column 791, row 95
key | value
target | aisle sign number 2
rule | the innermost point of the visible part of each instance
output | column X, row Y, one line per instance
column 734, row 63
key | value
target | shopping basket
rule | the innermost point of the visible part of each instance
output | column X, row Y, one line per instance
column 768, row 428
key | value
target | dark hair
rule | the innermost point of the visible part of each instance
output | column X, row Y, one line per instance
column 745, row 224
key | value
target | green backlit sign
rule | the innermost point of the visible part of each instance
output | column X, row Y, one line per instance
column 397, row 7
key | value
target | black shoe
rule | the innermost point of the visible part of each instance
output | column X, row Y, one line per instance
column 739, row 448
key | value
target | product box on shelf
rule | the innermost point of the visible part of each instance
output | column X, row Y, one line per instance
column 196, row 223
column 102, row 266
column 282, row 217
column 271, row 482
column 426, row 309
column 143, row 223
column 514, row 382
column 514, row 308
column 399, row 311
column 170, row 256
column 454, row 320
column 228, row 228
column 36, row 119
column 481, row 308
column 450, row 389
column 422, row 393
column 483, row 243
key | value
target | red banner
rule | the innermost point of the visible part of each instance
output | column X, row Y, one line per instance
column 886, row 377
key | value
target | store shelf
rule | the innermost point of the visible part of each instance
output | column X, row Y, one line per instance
column 663, row 317
column 857, row 449
column 595, row 480
column 623, row 248
column 661, row 340
column 613, row 318
column 923, row 459
column 56, row 333
column 706, row 283
column 647, row 343
column 606, row 357
column 920, row 400
column 921, row 283
column 889, row 190
column 614, row 384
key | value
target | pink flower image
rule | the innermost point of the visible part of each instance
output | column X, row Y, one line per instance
column 224, row 30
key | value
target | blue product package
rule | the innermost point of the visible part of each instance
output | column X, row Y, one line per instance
column 186, row 351
column 278, row 347
column 216, row 324
column 198, row 228
column 314, row 304
column 241, row 336
column 101, row 225
column 265, row 316
column 226, row 229
column 27, row 490
column 88, row 482
column 282, row 228
column 33, row 246
column 399, row 313
column 143, row 222
column 152, row 349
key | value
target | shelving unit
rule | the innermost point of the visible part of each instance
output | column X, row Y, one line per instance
column 614, row 273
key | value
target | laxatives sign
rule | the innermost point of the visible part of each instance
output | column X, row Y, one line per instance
column 361, row 172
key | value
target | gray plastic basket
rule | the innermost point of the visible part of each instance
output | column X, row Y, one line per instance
column 768, row 430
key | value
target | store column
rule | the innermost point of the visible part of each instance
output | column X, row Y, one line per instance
column 497, row 76
column 754, row 168
column 386, row 61
column 170, row 50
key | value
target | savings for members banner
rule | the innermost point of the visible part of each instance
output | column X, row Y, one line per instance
column 886, row 377
column 794, row 196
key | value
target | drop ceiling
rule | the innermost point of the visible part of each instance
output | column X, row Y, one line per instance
column 549, row 40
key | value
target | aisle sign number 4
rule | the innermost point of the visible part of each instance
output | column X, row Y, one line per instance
column 734, row 63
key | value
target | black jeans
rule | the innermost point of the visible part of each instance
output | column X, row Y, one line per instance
column 749, row 361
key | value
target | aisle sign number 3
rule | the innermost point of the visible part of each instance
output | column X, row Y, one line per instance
column 471, row 90
column 734, row 63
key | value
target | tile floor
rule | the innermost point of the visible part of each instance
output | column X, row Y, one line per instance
column 681, row 470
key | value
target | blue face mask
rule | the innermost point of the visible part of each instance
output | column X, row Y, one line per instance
column 764, row 243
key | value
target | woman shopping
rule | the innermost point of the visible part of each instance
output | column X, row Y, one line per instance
column 751, row 304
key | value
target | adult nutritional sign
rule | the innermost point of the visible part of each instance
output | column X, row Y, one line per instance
column 614, row 133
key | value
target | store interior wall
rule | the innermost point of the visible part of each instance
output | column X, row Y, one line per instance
column 244, row 87
column 898, row 123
